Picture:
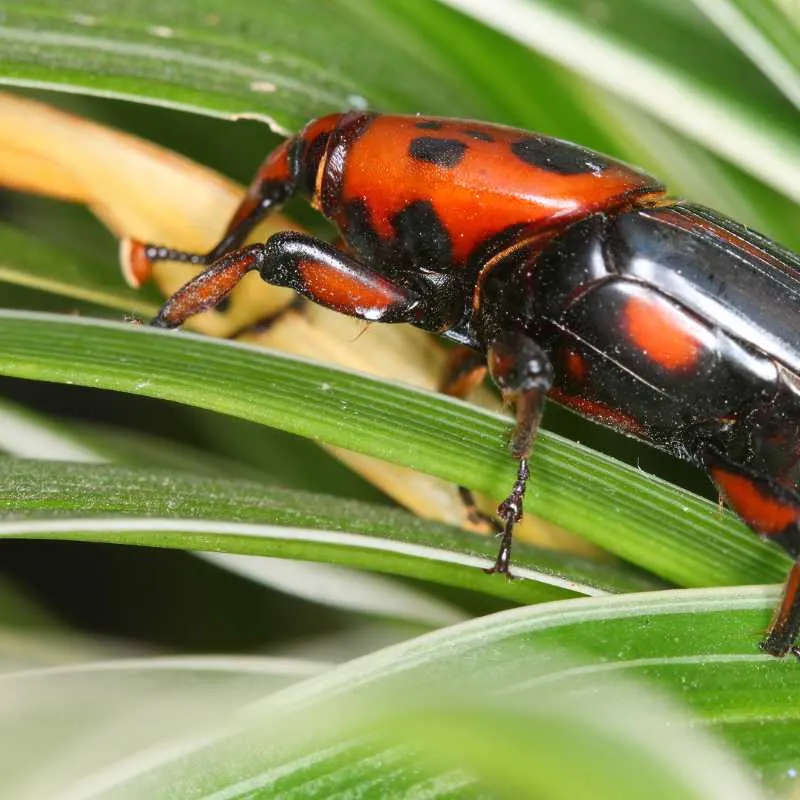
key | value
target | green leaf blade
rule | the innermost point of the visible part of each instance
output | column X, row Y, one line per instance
column 157, row 508
column 668, row 531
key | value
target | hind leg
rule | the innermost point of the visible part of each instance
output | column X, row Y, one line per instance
column 771, row 509
column 466, row 369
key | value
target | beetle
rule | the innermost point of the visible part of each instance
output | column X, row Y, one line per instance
column 565, row 273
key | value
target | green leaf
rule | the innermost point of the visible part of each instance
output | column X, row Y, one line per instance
column 411, row 716
column 85, row 720
column 768, row 32
column 29, row 436
column 666, row 530
column 246, row 61
column 27, row 261
column 155, row 508
column 681, row 73
column 700, row 645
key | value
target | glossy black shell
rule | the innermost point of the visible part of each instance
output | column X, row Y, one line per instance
column 735, row 296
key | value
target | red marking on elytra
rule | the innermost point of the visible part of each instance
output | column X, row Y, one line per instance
column 768, row 515
column 598, row 411
column 660, row 331
column 575, row 365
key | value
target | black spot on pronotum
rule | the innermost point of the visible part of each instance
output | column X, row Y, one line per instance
column 475, row 133
column 423, row 237
column 429, row 125
column 556, row 156
column 360, row 233
column 441, row 152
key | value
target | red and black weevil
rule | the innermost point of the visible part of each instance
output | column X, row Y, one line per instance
column 569, row 274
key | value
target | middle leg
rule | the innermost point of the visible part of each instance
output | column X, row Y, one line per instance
column 524, row 375
column 466, row 368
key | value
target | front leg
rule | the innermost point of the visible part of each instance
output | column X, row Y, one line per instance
column 524, row 375
column 311, row 267
column 274, row 183
column 289, row 169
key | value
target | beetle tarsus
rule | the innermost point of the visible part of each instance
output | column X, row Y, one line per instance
column 502, row 564
column 510, row 511
column 474, row 514
column 778, row 644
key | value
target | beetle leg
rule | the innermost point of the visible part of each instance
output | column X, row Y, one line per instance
column 524, row 375
column 782, row 634
column 290, row 168
column 138, row 257
column 465, row 370
column 209, row 288
column 772, row 510
column 475, row 514
column 271, row 187
column 311, row 267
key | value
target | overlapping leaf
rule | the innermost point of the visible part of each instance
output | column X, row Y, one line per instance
column 680, row 537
